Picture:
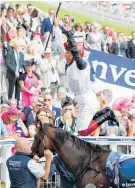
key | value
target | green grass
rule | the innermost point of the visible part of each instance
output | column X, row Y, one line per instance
column 79, row 18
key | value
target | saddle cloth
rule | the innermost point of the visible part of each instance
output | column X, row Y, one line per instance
column 120, row 167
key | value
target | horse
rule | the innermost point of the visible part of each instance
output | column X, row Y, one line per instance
column 86, row 161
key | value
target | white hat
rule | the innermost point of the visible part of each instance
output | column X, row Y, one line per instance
column 48, row 50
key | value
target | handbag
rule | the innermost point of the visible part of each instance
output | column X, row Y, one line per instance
column 11, row 34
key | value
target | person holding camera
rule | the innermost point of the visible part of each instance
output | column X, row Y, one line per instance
column 29, row 83
column 67, row 120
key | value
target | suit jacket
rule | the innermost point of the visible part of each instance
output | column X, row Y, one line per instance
column 123, row 47
column 11, row 63
column 46, row 26
column 57, row 112
column 131, row 50
column 29, row 117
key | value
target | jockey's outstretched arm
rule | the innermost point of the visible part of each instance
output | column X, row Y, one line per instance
column 80, row 62
column 95, row 123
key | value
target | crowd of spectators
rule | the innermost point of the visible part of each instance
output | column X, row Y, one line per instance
column 35, row 77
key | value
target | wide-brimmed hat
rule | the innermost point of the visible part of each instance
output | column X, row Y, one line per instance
column 121, row 103
column 13, row 110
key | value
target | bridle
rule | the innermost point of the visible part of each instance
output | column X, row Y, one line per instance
column 87, row 166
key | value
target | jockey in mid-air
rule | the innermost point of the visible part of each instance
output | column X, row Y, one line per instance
column 78, row 80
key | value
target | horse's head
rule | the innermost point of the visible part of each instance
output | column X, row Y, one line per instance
column 42, row 140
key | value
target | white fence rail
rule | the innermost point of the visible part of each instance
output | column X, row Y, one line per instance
column 114, row 143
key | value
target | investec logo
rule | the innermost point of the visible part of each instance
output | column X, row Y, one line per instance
column 128, row 74
column 126, row 185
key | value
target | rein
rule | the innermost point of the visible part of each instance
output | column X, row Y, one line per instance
column 88, row 165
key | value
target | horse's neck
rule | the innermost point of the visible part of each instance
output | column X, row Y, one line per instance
column 71, row 156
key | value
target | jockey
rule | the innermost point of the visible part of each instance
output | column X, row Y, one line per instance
column 78, row 80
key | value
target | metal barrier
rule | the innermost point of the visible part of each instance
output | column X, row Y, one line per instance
column 114, row 143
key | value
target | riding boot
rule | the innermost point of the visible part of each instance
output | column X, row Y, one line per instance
column 97, row 122
column 100, row 113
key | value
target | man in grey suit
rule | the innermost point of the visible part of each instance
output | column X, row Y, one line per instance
column 15, row 66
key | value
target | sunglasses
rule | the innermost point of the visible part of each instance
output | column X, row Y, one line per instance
column 47, row 100
column 13, row 114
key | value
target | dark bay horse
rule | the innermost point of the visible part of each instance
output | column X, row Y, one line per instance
column 85, row 160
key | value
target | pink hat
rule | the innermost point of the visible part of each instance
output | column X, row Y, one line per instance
column 13, row 110
column 121, row 103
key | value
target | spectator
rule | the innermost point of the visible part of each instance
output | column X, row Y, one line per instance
column 131, row 124
column 30, row 53
column 28, row 171
column 21, row 40
column 87, row 28
column 131, row 47
column 29, row 83
column 28, row 20
column 4, row 23
column 11, row 17
column 67, row 120
column 42, row 116
column 36, row 22
column 30, row 112
column 37, row 44
column 120, row 46
column 105, row 32
column 4, row 108
column 3, row 131
column 15, row 66
column 49, row 72
column 14, row 124
column 3, row 69
column 133, row 101
column 48, row 102
column 95, row 39
column 79, row 34
column 12, row 103
column 47, row 25
column 61, row 93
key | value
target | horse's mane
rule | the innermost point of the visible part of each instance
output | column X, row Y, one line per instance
column 80, row 144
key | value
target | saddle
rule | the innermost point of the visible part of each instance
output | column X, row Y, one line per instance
column 120, row 168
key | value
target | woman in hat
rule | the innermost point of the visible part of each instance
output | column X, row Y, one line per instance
column 13, row 123
column 29, row 83
column 67, row 120
column 31, row 54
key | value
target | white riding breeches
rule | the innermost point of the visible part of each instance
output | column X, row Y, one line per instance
column 88, row 106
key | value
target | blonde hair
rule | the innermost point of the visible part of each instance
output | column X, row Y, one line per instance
column 28, row 50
